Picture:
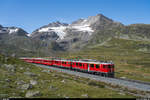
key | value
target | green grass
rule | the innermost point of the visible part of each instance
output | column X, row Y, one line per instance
column 74, row 86
column 129, row 61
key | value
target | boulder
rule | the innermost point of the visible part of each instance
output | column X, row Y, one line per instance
column 63, row 81
column 10, row 67
column 32, row 94
column 8, row 80
column 20, row 82
column 21, row 68
column 33, row 82
column 26, row 86
column 47, row 71
column 53, row 88
column 84, row 95
column 30, row 74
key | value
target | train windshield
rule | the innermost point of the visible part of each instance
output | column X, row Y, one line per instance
column 108, row 66
column 104, row 66
column 97, row 66
column 112, row 66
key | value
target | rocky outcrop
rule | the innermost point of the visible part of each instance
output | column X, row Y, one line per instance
column 13, row 31
column 30, row 74
column 33, row 82
column 10, row 68
column 1, row 26
column 26, row 86
column 32, row 94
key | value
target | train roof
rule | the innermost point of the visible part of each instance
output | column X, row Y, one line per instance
column 88, row 61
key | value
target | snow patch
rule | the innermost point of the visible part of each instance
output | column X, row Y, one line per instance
column 84, row 28
column 58, row 30
column 12, row 30
column 44, row 29
column 28, row 35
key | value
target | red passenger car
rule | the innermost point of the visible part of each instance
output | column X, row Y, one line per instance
column 90, row 66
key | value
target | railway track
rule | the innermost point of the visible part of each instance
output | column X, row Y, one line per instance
column 127, row 83
column 137, row 81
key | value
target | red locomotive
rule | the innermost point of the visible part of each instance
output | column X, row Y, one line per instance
column 90, row 66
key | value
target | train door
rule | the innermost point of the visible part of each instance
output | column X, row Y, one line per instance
column 97, row 67
column 105, row 68
column 70, row 65
column 88, row 67
column 111, row 68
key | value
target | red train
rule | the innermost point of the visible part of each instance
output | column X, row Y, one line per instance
column 91, row 66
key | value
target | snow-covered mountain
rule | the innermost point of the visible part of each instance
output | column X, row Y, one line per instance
column 58, row 30
column 58, row 36
column 54, row 36
column 78, row 31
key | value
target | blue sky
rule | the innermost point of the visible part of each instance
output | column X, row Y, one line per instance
column 32, row 14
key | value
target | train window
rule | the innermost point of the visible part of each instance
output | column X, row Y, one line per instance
column 92, row 65
column 76, row 64
column 65, row 62
column 112, row 66
column 109, row 66
column 104, row 66
column 80, row 64
column 97, row 66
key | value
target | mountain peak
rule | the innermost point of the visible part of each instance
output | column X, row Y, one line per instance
column 56, row 24
column 99, row 14
column 13, row 31
column 84, row 26
column 79, row 21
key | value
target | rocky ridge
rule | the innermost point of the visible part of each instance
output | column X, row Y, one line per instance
column 12, row 31
column 70, row 35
